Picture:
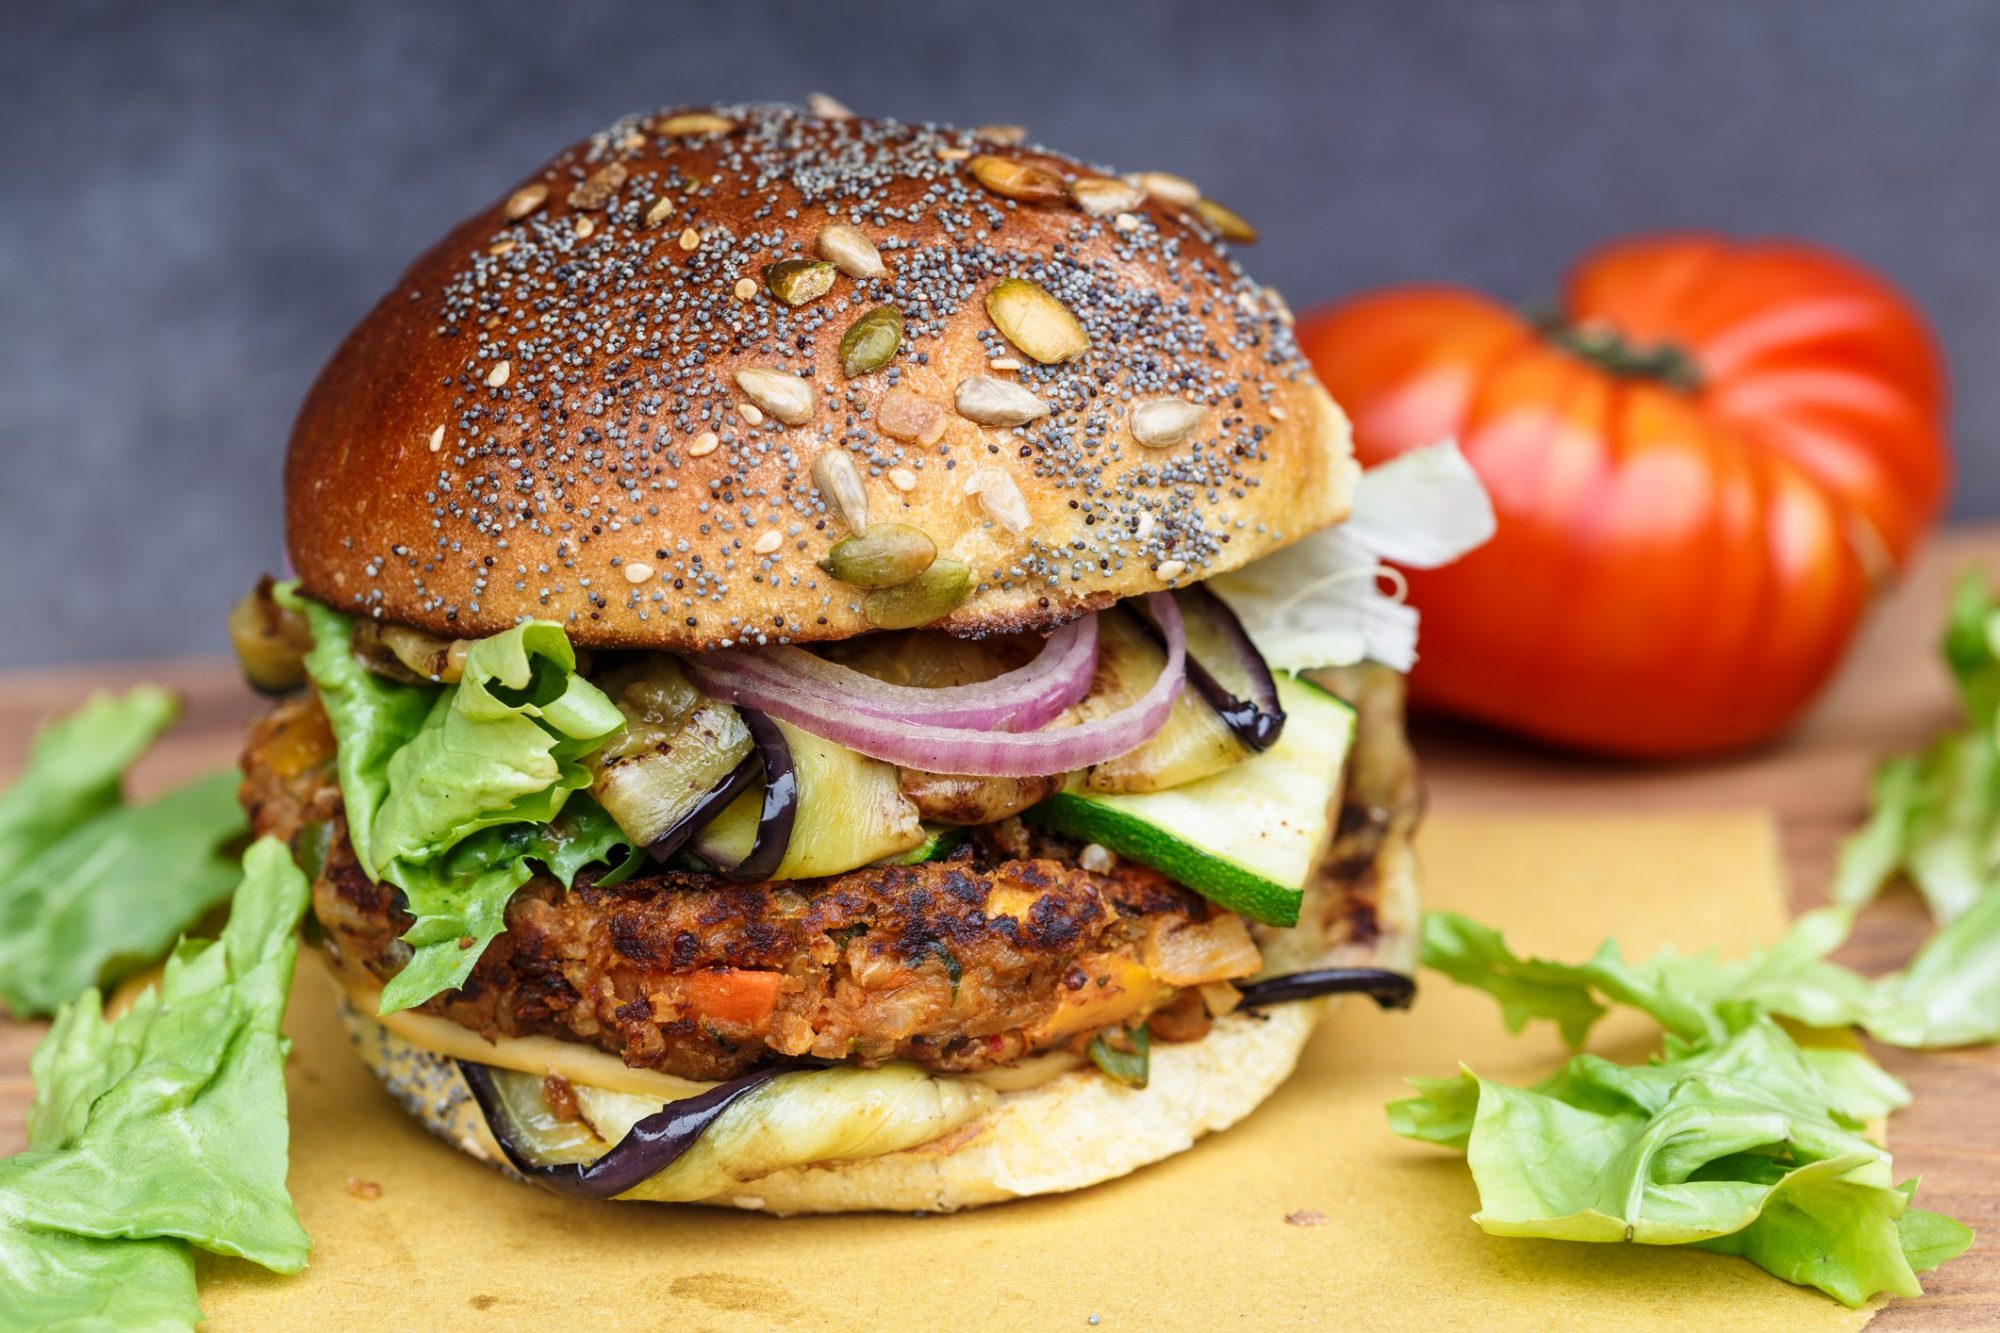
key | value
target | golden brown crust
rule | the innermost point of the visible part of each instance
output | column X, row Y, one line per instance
column 518, row 429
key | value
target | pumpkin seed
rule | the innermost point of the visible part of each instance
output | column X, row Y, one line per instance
column 848, row 250
column 929, row 597
column 1162, row 423
column 839, row 483
column 1017, row 180
column 999, row 496
column 1227, row 221
column 693, row 122
column 797, row 281
column 907, row 416
column 1101, row 196
column 525, row 201
column 871, row 341
column 1036, row 322
column 1167, row 186
column 996, row 402
column 596, row 190
column 888, row 555
column 779, row 392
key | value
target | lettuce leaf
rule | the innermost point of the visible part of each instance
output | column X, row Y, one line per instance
column 451, row 793
column 503, row 747
column 372, row 716
column 76, row 768
column 113, row 894
column 91, row 887
column 162, row 1128
column 1735, row 1143
column 462, row 896
column 1934, row 818
column 1949, row 995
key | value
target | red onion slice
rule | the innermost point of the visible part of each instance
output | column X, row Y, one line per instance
column 941, row 749
column 1020, row 700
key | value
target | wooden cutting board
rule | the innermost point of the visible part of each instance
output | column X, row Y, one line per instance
column 1892, row 694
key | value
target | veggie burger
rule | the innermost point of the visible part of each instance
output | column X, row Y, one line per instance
column 839, row 665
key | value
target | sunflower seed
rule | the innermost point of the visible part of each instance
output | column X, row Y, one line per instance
column 850, row 251
column 769, row 542
column 1164, row 185
column 839, row 483
column 1001, row 133
column 1228, row 223
column 797, row 281
column 658, row 211
column 931, row 596
column 1162, row 423
column 827, row 108
column 704, row 444
column 597, row 189
column 1169, row 570
column 1100, row 196
column 888, row 555
column 999, row 495
column 1036, row 322
column 525, row 201
column 997, row 402
column 779, row 392
column 910, row 417
column 1017, row 180
column 870, row 343
column 693, row 122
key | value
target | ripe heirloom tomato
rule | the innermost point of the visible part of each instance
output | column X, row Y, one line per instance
column 1702, row 467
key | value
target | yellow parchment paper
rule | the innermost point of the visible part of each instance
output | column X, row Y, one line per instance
column 1197, row 1242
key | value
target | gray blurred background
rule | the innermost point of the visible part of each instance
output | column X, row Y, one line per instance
column 201, row 198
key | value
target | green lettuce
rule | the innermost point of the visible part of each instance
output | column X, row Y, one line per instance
column 372, row 716
column 463, row 894
column 1949, row 995
column 90, row 887
column 454, row 793
column 1740, row 1141
column 163, row 1128
column 1934, row 817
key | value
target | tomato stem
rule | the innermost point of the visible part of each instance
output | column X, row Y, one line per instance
column 1608, row 349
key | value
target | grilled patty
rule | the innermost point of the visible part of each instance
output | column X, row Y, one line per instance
column 1008, row 949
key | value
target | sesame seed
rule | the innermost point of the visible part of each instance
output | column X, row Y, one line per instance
column 638, row 571
column 902, row 479
column 437, row 439
column 1169, row 570
column 1004, row 363
column 1278, row 412
column 1126, row 222
column 586, row 226
column 769, row 542
column 750, row 413
column 525, row 201
column 499, row 374
column 704, row 444
column 690, row 239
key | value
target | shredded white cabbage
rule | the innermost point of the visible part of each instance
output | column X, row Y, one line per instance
column 1321, row 601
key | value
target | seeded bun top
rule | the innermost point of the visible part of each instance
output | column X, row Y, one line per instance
column 647, row 391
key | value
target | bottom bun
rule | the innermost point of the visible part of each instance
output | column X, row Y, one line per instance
column 1075, row 1130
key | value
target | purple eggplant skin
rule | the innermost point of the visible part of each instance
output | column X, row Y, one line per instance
column 781, row 802
column 1390, row 990
column 1257, row 721
column 653, row 1145
column 711, row 805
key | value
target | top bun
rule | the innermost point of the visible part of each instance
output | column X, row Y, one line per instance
column 544, row 419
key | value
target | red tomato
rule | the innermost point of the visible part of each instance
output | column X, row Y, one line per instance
column 1702, row 468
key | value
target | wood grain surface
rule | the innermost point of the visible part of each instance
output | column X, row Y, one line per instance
column 1892, row 694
